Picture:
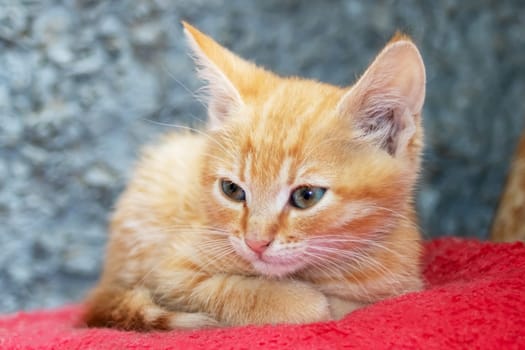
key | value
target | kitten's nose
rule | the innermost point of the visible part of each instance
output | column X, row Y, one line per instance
column 258, row 246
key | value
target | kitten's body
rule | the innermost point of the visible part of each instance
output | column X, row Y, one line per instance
column 179, row 253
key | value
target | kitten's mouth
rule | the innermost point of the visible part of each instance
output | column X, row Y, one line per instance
column 271, row 263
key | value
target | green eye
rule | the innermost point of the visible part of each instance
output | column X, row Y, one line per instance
column 233, row 191
column 305, row 197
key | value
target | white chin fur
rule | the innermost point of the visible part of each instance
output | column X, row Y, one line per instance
column 276, row 270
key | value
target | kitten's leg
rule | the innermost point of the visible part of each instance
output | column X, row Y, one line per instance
column 240, row 300
column 339, row 308
column 133, row 309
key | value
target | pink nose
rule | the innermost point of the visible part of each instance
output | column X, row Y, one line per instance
column 258, row 246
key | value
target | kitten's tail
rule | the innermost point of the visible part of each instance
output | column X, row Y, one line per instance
column 134, row 309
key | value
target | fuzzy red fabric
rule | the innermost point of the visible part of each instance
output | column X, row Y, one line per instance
column 475, row 299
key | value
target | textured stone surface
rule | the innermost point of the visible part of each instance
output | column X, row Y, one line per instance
column 82, row 80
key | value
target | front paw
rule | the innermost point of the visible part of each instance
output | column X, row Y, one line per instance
column 235, row 300
column 292, row 302
column 339, row 308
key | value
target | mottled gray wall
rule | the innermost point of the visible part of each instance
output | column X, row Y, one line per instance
column 79, row 81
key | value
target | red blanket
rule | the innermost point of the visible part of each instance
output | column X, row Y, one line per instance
column 475, row 298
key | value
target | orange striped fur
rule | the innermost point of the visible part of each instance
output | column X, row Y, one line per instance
column 179, row 254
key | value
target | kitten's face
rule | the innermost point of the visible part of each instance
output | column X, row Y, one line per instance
column 292, row 185
column 301, row 173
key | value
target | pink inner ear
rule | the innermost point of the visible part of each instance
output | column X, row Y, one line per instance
column 220, row 106
column 398, row 72
column 387, row 124
column 381, row 126
column 383, row 103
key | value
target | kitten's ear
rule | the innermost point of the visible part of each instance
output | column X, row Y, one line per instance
column 215, row 65
column 385, row 104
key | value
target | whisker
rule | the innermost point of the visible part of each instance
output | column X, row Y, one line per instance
column 200, row 132
column 191, row 93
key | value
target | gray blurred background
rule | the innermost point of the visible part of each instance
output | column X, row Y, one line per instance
column 80, row 81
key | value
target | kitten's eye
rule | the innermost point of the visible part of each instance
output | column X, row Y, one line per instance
column 305, row 197
column 233, row 191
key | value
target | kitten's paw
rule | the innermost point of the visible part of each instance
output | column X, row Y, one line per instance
column 339, row 308
column 313, row 306
column 296, row 302
column 158, row 318
column 187, row 320
column 134, row 309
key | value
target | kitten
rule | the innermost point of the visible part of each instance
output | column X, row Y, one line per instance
column 296, row 205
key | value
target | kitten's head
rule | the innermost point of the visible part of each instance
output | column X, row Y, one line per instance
column 298, row 171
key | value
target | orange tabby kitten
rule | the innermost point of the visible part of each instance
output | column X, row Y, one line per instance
column 295, row 206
